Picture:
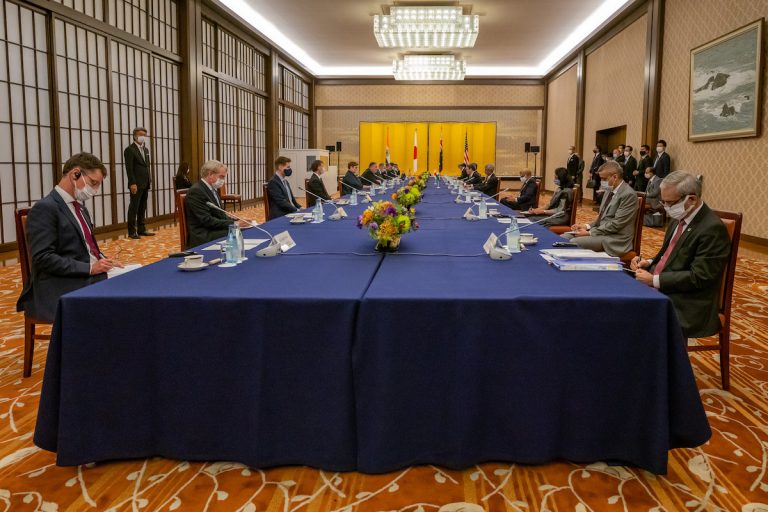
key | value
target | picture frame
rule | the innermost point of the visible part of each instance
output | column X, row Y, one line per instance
column 725, row 87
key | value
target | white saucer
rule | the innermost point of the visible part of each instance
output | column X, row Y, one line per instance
column 298, row 220
column 192, row 269
column 532, row 241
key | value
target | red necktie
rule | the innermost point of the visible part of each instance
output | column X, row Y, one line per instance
column 670, row 248
column 86, row 230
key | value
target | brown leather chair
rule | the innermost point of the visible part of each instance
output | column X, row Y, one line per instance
column 265, row 190
column 537, row 179
column 309, row 199
column 559, row 230
column 341, row 186
column 177, row 213
column 498, row 189
column 732, row 223
column 25, row 263
column 627, row 258
column 230, row 198
column 181, row 195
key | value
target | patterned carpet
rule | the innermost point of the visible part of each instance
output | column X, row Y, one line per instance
column 730, row 473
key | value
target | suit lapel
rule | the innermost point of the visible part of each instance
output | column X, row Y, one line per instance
column 67, row 213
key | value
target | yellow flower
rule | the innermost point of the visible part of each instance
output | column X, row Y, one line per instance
column 394, row 196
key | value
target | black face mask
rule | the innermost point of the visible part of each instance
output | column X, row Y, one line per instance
column 288, row 171
column 594, row 151
column 642, row 153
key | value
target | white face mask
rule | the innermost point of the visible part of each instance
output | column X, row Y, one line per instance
column 141, row 139
column 648, row 175
column 604, row 185
column 218, row 183
column 626, row 154
column 659, row 149
column 678, row 211
column 85, row 193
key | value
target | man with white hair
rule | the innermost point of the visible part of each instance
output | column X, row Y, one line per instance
column 614, row 229
column 690, row 265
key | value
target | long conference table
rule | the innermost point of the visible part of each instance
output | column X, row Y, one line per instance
column 338, row 357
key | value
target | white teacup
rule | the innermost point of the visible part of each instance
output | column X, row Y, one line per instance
column 194, row 260
column 526, row 237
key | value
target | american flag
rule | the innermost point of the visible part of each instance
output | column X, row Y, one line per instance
column 466, row 149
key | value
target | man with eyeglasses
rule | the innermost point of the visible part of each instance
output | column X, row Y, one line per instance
column 690, row 265
column 64, row 253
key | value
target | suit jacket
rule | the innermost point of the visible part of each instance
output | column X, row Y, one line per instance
column 597, row 161
column 630, row 166
column 280, row 203
column 692, row 276
column 662, row 165
column 527, row 196
column 60, row 259
column 317, row 187
column 350, row 181
column 488, row 186
column 137, row 166
column 463, row 176
column 475, row 179
column 559, row 208
column 653, row 194
column 371, row 177
column 618, row 222
column 181, row 182
column 203, row 223
column 572, row 165
column 640, row 182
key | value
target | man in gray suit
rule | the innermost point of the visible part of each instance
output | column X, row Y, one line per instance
column 614, row 229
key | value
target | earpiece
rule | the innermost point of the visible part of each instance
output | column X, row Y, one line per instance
column 77, row 175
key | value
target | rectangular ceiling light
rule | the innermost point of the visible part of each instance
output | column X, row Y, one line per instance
column 426, row 27
column 429, row 67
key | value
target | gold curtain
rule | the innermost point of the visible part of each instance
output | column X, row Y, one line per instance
column 481, row 138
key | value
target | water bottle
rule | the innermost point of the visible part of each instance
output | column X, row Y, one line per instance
column 483, row 209
column 318, row 212
column 353, row 197
column 233, row 251
column 240, row 245
column 437, row 179
column 513, row 236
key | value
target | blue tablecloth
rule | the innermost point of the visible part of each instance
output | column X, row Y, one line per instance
column 338, row 357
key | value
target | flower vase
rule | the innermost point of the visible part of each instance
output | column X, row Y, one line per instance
column 388, row 246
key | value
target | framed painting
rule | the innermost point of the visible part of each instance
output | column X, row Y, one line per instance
column 725, row 85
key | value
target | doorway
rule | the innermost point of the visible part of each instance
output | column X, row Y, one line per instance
column 611, row 138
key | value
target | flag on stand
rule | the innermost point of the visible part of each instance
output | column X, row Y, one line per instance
column 386, row 153
column 440, row 160
column 466, row 149
column 415, row 152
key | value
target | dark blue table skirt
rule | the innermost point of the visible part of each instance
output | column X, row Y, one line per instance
column 337, row 357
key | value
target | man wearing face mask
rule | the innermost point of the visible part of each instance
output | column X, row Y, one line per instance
column 203, row 222
column 630, row 166
column 653, row 205
column 663, row 163
column 527, row 197
column 689, row 267
column 614, row 229
column 281, row 200
column 597, row 161
column 489, row 184
column 572, row 164
column 136, row 157
column 64, row 252
column 642, row 164
column 316, row 185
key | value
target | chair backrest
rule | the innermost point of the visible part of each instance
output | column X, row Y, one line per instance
column 498, row 189
column 181, row 195
column 537, row 179
column 575, row 195
column 265, row 189
column 732, row 223
column 639, row 216
column 341, row 186
column 309, row 198
column 25, row 258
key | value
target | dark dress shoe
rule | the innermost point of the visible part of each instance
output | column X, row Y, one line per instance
column 146, row 233
column 135, row 236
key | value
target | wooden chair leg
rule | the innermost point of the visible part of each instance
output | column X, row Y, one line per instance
column 29, row 346
column 725, row 354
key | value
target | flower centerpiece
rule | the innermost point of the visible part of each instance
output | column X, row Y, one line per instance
column 386, row 223
column 407, row 196
column 421, row 182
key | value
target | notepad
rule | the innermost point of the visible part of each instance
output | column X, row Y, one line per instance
column 117, row 271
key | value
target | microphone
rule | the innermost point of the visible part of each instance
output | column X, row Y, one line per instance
column 271, row 250
column 369, row 181
column 498, row 194
column 335, row 215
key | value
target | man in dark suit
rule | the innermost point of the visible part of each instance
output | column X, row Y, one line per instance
column 351, row 181
column 619, row 155
column 527, row 198
column 488, row 186
column 369, row 175
column 203, row 222
column 572, row 164
column 136, row 157
column 316, row 185
column 597, row 161
column 663, row 164
column 474, row 176
column 614, row 229
column 630, row 166
column 463, row 174
column 64, row 252
column 689, row 267
column 645, row 162
column 281, row 200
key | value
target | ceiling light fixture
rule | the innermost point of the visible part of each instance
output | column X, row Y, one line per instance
column 426, row 27
column 429, row 67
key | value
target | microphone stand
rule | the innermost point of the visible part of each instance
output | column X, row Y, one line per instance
column 271, row 250
column 335, row 215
